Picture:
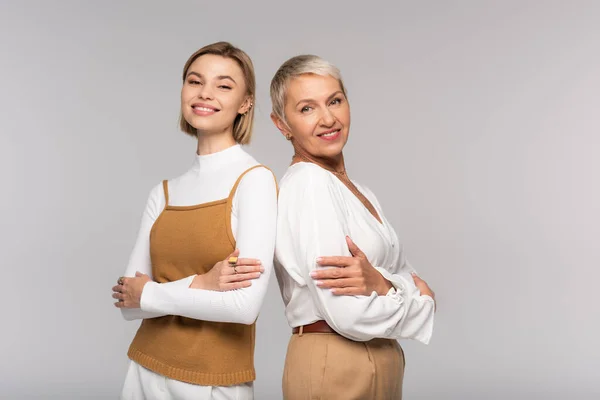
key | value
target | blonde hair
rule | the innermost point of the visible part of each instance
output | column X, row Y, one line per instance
column 296, row 66
column 243, row 123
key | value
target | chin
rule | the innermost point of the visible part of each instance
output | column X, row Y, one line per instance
column 332, row 152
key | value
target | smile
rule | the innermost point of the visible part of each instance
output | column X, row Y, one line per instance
column 330, row 135
column 204, row 109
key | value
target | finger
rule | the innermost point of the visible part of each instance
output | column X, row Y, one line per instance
column 119, row 296
column 241, row 277
column 118, row 288
column 123, row 304
column 248, row 261
column 138, row 274
column 356, row 252
column 349, row 291
column 338, row 283
column 236, row 285
column 244, row 269
column 235, row 253
column 335, row 261
column 330, row 273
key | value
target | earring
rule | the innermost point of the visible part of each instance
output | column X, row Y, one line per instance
column 288, row 136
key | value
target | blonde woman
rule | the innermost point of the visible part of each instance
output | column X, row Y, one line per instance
column 349, row 291
column 186, row 279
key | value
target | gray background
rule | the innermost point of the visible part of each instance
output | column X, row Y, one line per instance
column 475, row 122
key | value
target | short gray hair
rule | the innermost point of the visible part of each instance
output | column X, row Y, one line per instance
column 296, row 66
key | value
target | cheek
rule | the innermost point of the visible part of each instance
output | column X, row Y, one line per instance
column 185, row 94
column 344, row 115
column 302, row 128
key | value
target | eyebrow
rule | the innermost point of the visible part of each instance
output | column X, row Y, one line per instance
column 218, row 77
column 313, row 101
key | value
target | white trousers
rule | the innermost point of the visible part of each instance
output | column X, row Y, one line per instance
column 143, row 384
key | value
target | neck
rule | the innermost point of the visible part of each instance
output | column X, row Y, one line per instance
column 209, row 143
column 334, row 164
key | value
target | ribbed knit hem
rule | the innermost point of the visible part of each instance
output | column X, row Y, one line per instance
column 195, row 377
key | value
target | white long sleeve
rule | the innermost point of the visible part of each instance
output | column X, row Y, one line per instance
column 140, row 256
column 253, row 220
column 316, row 212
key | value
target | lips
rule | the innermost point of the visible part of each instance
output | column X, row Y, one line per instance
column 331, row 134
column 204, row 109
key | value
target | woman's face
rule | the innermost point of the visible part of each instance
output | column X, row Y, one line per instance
column 318, row 115
column 213, row 94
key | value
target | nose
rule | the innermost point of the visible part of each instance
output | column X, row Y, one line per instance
column 327, row 118
column 205, row 92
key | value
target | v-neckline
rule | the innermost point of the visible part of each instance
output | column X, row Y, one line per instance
column 346, row 181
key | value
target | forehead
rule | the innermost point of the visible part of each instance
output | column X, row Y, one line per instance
column 210, row 65
column 312, row 86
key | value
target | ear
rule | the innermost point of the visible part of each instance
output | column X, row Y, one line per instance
column 281, row 125
column 246, row 105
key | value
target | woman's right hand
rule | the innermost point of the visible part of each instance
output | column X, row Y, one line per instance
column 423, row 287
column 224, row 277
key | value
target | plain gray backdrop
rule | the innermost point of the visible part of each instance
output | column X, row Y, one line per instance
column 476, row 123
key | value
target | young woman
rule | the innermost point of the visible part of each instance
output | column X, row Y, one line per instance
column 197, row 299
column 346, row 314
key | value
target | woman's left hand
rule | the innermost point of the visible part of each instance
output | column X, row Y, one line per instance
column 351, row 275
column 129, row 290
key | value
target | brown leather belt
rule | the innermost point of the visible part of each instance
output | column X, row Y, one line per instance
column 316, row 327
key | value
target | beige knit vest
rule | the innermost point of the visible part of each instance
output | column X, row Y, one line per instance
column 188, row 240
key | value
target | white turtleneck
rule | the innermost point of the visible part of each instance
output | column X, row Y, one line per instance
column 253, row 223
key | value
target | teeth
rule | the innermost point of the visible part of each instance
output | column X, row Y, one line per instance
column 203, row 109
column 330, row 134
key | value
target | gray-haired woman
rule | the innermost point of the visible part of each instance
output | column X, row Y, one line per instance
column 349, row 291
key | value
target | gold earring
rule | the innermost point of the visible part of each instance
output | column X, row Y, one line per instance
column 288, row 136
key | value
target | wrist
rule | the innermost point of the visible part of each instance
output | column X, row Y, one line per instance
column 197, row 282
column 384, row 287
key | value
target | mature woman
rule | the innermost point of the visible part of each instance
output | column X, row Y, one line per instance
column 332, row 240
column 196, row 340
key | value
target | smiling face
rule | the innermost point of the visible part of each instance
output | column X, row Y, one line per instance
column 317, row 114
column 214, row 93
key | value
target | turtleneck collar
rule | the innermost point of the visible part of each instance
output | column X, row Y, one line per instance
column 218, row 160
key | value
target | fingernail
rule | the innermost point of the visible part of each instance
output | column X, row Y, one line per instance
column 313, row 274
column 318, row 283
column 259, row 262
column 319, row 259
column 262, row 269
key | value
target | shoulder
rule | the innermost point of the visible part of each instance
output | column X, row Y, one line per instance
column 157, row 192
column 301, row 175
column 257, row 174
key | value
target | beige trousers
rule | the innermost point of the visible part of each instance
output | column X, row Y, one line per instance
column 327, row 366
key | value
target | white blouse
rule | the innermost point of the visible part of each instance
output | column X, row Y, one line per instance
column 315, row 213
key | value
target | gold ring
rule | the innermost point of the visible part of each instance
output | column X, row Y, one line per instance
column 120, row 280
column 232, row 261
column 234, row 269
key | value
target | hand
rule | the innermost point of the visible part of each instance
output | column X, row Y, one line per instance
column 423, row 287
column 223, row 277
column 352, row 275
column 129, row 290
